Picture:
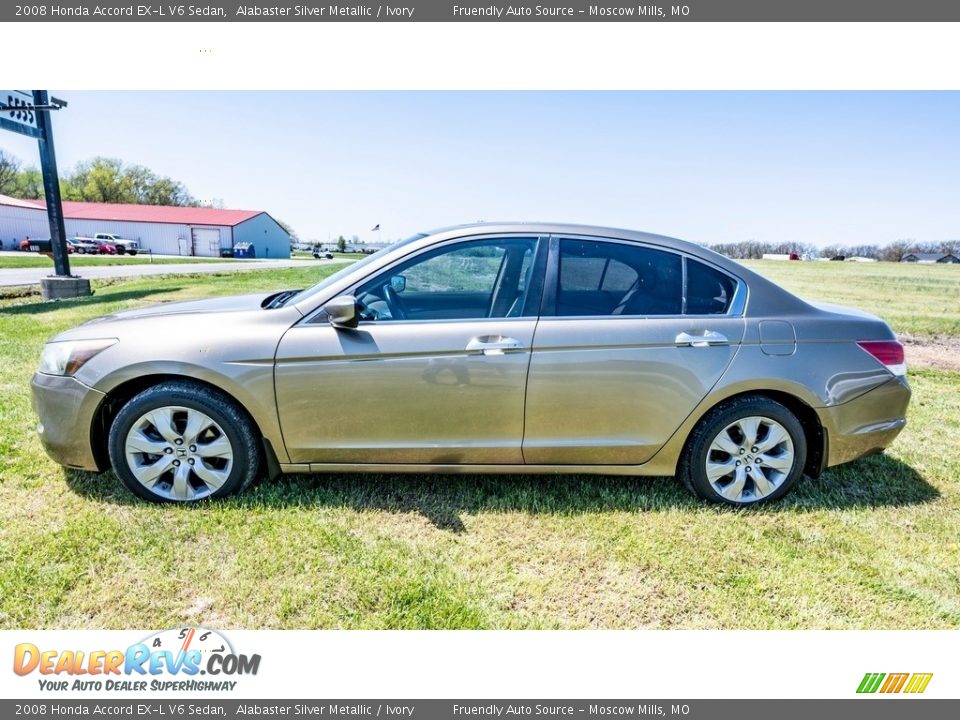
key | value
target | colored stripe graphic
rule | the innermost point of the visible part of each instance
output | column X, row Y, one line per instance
column 918, row 683
column 894, row 683
column 870, row 682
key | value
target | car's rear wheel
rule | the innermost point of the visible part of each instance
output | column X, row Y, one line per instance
column 748, row 451
column 181, row 442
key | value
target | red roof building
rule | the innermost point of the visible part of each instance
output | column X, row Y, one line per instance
column 161, row 228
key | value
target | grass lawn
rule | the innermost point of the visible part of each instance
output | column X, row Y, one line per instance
column 874, row 544
column 32, row 260
column 917, row 300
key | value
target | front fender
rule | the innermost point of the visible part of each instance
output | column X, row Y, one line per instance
column 250, row 383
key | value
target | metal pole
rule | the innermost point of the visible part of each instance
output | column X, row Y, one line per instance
column 51, row 186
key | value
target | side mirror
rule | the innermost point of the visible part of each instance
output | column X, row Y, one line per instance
column 398, row 283
column 342, row 311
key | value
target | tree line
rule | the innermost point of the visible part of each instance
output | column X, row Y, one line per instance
column 891, row 252
column 106, row 180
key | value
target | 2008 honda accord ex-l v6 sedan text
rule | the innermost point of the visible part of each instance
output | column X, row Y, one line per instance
column 516, row 348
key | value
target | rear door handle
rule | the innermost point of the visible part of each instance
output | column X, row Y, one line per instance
column 710, row 337
column 493, row 345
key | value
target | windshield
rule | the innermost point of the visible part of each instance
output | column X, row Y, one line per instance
column 343, row 272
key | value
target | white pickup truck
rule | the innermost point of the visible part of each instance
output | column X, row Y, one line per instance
column 122, row 245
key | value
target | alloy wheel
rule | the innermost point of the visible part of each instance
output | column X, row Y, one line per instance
column 749, row 459
column 179, row 453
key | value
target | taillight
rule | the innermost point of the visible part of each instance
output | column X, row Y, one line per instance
column 888, row 352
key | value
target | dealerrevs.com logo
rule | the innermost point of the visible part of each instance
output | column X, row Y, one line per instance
column 910, row 683
column 170, row 660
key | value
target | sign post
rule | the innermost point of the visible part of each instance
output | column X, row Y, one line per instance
column 28, row 113
column 51, row 186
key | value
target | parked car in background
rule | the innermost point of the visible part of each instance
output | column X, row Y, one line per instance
column 107, row 243
column 83, row 246
column 122, row 245
column 514, row 348
column 319, row 255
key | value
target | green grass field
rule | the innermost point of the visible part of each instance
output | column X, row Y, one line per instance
column 917, row 300
column 873, row 544
column 32, row 260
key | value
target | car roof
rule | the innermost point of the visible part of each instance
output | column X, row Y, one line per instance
column 773, row 298
column 557, row 228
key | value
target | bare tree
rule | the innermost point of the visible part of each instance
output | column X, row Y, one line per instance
column 288, row 230
column 9, row 171
column 894, row 252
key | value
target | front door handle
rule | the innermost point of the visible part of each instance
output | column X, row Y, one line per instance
column 708, row 338
column 493, row 345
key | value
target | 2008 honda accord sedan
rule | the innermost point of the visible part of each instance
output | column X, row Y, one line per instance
column 513, row 348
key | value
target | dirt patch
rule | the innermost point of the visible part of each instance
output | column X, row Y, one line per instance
column 938, row 353
column 18, row 291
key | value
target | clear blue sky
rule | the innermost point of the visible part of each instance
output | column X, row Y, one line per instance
column 820, row 167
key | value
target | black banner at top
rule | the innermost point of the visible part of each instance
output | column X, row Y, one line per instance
column 479, row 11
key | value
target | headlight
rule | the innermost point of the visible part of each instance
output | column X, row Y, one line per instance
column 66, row 358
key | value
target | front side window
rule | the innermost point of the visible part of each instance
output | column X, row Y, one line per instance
column 467, row 280
column 606, row 278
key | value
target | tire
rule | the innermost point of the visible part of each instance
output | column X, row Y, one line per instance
column 218, row 456
column 132, row 252
column 120, row 250
column 737, row 474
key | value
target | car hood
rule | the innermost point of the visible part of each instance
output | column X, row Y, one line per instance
column 232, row 303
column 209, row 319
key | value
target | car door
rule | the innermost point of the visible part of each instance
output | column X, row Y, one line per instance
column 631, row 340
column 436, row 369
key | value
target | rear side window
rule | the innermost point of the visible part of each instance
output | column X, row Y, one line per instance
column 709, row 291
column 605, row 278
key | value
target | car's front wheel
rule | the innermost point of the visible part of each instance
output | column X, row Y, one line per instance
column 748, row 451
column 181, row 442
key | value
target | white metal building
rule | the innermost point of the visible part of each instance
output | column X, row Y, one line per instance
column 162, row 229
